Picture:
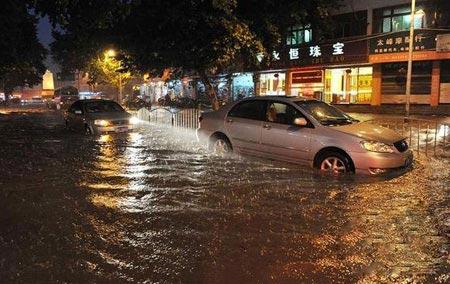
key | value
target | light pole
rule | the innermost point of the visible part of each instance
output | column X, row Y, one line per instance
column 120, row 88
column 410, row 55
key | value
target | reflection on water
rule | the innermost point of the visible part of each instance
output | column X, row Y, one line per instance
column 184, row 215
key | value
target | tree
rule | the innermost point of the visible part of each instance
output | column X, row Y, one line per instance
column 21, row 54
column 108, row 69
column 197, row 37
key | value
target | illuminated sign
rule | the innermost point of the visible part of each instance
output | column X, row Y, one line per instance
column 443, row 43
column 316, row 54
column 399, row 42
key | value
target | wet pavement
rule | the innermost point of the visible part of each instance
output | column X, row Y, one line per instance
column 155, row 206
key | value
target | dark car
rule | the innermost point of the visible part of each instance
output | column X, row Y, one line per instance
column 98, row 116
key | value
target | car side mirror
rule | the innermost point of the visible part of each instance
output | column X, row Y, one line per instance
column 300, row 121
column 78, row 111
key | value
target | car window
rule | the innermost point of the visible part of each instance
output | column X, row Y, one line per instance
column 325, row 114
column 75, row 106
column 249, row 109
column 102, row 106
column 282, row 113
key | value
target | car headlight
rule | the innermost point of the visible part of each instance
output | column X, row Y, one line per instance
column 101, row 122
column 379, row 147
column 134, row 120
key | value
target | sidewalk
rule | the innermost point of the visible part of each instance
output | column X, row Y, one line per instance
column 366, row 112
column 398, row 109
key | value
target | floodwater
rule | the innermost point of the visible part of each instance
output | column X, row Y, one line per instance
column 155, row 206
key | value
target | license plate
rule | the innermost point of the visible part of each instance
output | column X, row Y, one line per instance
column 121, row 129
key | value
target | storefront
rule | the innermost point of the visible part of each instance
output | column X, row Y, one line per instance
column 352, row 85
column 272, row 84
column 243, row 85
column 335, row 72
column 389, row 55
column 306, row 83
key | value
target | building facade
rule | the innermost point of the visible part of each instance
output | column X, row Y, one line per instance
column 364, row 61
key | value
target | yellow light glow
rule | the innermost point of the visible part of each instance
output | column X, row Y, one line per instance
column 101, row 122
column 47, row 81
column 110, row 53
column 105, row 138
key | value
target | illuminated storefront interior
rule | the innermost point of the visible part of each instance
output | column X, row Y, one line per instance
column 348, row 85
column 307, row 83
column 272, row 84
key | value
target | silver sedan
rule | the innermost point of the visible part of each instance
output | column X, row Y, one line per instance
column 98, row 116
column 306, row 131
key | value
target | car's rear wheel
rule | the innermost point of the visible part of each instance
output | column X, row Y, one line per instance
column 335, row 163
column 220, row 146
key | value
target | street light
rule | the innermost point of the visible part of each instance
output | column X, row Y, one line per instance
column 110, row 53
column 410, row 52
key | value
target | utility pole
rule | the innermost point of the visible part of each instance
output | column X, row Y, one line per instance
column 410, row 55
column 120, row 88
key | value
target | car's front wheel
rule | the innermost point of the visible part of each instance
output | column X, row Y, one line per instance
column 335, row 163
column 220, row 146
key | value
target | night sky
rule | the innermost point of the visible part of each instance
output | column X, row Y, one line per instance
column 44, row 30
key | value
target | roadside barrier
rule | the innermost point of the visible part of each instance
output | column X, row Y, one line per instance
column 425, row 137
column 180, row 118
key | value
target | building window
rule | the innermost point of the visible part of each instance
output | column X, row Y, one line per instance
column 299, row 35
column 351, row 24
column 393, row 78
column 445, row 71
column 395, row 19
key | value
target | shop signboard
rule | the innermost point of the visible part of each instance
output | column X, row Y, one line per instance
column 443, row 43
column 334, row 53
column 399, row 42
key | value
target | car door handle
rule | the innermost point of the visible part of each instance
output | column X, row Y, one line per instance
column 229, row 120
column 267, row 126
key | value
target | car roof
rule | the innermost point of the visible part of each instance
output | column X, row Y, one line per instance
column 95, row 100
column 282, row 98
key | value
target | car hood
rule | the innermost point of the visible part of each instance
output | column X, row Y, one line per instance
column 371, row 132
column 109, row 115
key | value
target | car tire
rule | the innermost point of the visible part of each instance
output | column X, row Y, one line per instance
column 335, row 163
column 220, row 145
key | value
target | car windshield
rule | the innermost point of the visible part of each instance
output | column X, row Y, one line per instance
column 103, row 106
column 326, row 114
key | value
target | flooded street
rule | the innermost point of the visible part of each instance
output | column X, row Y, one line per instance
column 155, row 206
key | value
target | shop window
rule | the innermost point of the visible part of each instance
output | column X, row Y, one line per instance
column 351, row 24
column 348, row 85
column 395, row 19
column 272, row 84
column 445, row 71
column 307, row 84
column 299, row 35
column 393, row 78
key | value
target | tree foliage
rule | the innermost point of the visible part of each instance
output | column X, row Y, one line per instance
column 21, row 54
column 202, row 37
column 107, row 69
